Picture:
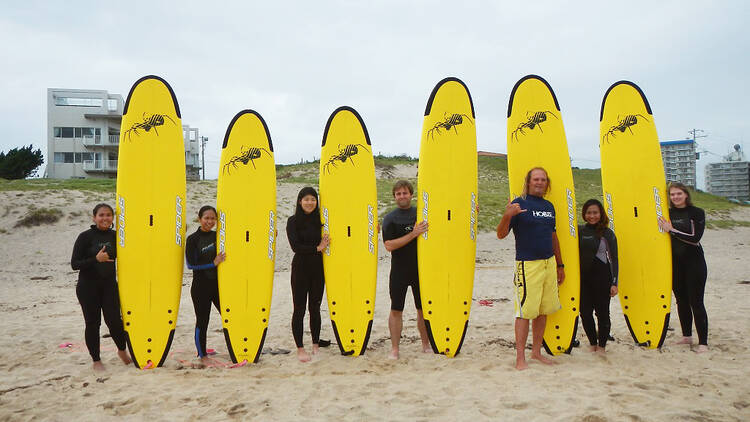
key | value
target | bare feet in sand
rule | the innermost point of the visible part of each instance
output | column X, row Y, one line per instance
column 426, row 348
column 302, row 355
column 124, row 357
column 702, row 348
column 544, row 360
column 315, row 349
column 98, row 366
column 394, row 354
column 521, row 365
column 685, row 340
column 593, row 349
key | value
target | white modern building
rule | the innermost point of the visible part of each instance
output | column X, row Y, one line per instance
column 679, row 159
column 731, row 177
column 83, row 135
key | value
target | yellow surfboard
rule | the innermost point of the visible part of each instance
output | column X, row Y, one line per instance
column 447, row 200
column 634, row 197
column 246, row 232
column 536, row 138
column 150, row 219
column 349, row 213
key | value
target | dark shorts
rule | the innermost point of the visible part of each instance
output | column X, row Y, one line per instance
column 398, row 289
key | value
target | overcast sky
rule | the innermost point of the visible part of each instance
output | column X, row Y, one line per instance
column 295, row 62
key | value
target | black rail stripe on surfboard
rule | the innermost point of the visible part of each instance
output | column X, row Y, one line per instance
column 643, row 96
column 428, row 109
column 572, row 338
column 367, row 338
column 338, row 340
column 635, row 339
column 229, row 346
column 166, row 349
column 515, row 87
column 169, row 87
column 463, row 336
column 432, row 339
column 354, row 112
column 260, row 346
column 240, row 114
column 130, row 348
column 664, row 330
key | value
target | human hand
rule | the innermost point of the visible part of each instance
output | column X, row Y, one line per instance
column 220, row 257
column 513, row 208
column 420, row 228
column 613, row 291
column 560, row 275
column 324, row 241
column 103, row 256
column 665, row 224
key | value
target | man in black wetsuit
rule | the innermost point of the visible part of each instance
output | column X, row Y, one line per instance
column 400, row 233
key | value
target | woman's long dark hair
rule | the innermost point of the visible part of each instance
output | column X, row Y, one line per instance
column 300, row 218
column 603, row 223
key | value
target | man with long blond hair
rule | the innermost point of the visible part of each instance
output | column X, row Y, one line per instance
column 539, row 266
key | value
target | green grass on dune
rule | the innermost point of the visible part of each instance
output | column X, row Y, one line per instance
column 493, row 188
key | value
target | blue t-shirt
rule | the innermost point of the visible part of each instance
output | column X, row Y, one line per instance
column 533, row 229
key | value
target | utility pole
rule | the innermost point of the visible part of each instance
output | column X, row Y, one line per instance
column 203, row 155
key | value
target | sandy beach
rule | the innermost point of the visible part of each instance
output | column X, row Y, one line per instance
column 43, row 381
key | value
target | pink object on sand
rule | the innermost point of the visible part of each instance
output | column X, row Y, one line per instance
column 485, row 302
column 64, row 345
column 240, row 364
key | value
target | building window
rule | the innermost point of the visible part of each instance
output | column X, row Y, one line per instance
column 66, row 132
column 64, row 157
column 78, row 102
column 112, row 104
column 76, row 132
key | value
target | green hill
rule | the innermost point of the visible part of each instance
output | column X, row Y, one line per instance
column 493, row 187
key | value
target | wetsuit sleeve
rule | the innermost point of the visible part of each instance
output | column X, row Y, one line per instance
column 389, row 230
column 192, row 254
column 79, row 260
column 697, row 226
column 613, row 256
column 295, row 242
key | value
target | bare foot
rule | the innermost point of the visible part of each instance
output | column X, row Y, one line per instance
column 302, row 355
column 685, row 340
column 593, row 349
column 542, row 359
column 124, row 357
column 702, row 348
column 601, row 351
column 315, row 349
column 98, row 366
column 521, row 365
column 426, row 348
column 393, row 355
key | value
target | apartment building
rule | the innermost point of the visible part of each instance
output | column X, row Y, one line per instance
column 83, row 135
column 679, row 159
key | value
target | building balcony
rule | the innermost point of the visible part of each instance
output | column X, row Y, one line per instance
column 99, row 141
column 100, row 166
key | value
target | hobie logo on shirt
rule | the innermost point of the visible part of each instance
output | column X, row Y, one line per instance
column 543, row 214
column 271, row 234
column 326, row 229
column 425, row 201
column 370, row 228
column 222, row 231
column 178, row 221
column 121, row 221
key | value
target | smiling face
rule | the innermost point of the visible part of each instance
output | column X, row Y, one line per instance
column 678, row 197
column 538, row 183
column 592, row 215
column 207, row 220
column 308, row 203
column 403, row 198
column 103, row 218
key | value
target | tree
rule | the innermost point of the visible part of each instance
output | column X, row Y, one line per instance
column 20, row 163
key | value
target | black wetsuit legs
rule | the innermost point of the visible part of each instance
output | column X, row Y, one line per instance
column 689, row 285
column 595, row 287
column 307, row 289
column 203, row 292
column 97, row 298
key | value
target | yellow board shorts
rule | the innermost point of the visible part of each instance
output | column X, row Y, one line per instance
column 536, row 288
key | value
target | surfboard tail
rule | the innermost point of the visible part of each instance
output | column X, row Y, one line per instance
column 338, row 341
column 367, row 338
column 429, row 336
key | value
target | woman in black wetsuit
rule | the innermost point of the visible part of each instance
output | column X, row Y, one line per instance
column 303, row 232
column 597, row 246
column 94, row 255
column 201, row 256
column 689, row 271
